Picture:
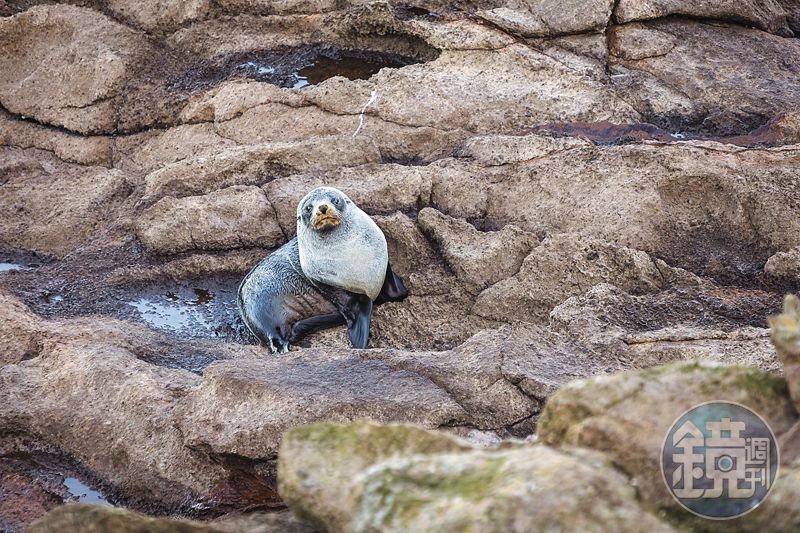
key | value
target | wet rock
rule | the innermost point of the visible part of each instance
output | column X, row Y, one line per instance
column 230, row 218
column 85, row 518
column 564, row 266
column 195, row 266
column 767, row 15
column 713, row 101
column 479, row 259
column 40, row 46
column 785, row 332
column 52, row 207
column 88, row 394
column 712, row 324
column 309, row 387
column 792, row 8
column 534, row 487
column 27, row 492
column 473, row 375
column 255, row 165
column 627, row 415
column 315, row 461
column 550, row 18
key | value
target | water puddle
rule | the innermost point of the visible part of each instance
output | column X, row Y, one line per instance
column 190, row 311
column 83, row 492
column 8, row 266
column 607, row 133
column 318, row 68
column 293, row 68
column 33, row 483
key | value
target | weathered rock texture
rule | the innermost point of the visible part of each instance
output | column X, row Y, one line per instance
column 152, row 152
column 364, row 477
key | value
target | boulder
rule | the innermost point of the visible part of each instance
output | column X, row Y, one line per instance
column 768, row 15
column 784, row 267
column 88, row 518
column 627, row 415
column 567, row 265
column 91, row 96
column 362, row 477
column 478, row 259
column 785, row 330
column 235, row 217
column 311, row 386
column 315, row 461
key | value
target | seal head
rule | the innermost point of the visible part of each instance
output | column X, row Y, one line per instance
column 340, row 245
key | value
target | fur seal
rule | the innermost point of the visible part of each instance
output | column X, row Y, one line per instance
column 340, row 245
column 280, row 303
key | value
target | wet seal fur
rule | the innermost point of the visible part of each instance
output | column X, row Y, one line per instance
column 332, row 273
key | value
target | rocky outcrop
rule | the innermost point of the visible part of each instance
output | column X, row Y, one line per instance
column 644, row 58
column 767, row 15
column 94, row 95
column 478, row 259
column 364, row 477
column 550, row 18
column 85, row 518
column 49, row 206
column 153, row 152
column 566, row 265
column 230, row 218
column 627, row 415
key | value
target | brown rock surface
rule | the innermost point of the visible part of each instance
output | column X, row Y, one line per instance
column 767, row 15
column 230, row 218
column 92, row 95
column 151, row 153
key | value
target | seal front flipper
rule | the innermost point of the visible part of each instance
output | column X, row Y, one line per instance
column 393, row 290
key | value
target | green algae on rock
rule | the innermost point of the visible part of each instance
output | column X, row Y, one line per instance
column 87, row 518
column 627, row 415
column 367, row 477
column 785, row 332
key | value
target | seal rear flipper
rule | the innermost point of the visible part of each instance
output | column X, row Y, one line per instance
column 312, row 324
column 356, row 309
column 393, row 290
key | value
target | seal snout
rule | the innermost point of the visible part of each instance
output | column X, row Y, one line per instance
column 325, row 217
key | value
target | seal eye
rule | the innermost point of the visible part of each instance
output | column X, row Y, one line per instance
column 335, row 201
column 308, row 208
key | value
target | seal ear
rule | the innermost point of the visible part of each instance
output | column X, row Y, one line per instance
column 393, row 290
